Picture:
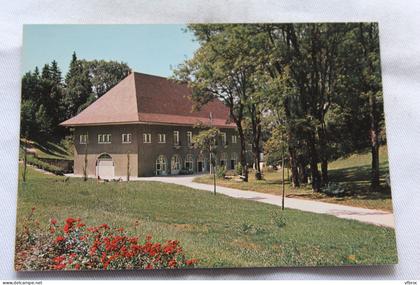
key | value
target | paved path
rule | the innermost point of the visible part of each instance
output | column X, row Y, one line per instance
column 376, row 217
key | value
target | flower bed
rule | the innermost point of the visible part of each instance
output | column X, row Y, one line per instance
column 74, row 246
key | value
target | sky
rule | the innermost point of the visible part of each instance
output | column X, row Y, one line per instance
column 151, row 49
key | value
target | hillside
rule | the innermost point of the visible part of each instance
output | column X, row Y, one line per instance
column 47, row 149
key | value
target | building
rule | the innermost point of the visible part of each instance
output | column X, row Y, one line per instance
column 146, row 124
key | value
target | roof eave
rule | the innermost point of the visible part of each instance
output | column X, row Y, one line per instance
column 69, row 125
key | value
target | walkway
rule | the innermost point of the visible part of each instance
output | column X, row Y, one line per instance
column 375, row 217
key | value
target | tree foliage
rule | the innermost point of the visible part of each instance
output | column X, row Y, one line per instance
column 314, row 88
column 48, row 100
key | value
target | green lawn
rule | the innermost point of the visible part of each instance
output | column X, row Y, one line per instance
column 218, row 230
column 351, row 172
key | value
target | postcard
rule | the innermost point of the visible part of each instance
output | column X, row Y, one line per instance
column 202, row 146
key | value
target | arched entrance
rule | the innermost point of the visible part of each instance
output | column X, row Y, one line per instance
column 175, row 164
column 189, row 163
column 161, row 165
column 105, row 166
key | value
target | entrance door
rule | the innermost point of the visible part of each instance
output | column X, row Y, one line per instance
column 105, row 167
column 200, row 166
column 175, row 164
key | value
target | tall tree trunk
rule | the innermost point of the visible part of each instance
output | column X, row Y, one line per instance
column 256, row 135
column 374, row 139
column 256, row 154
column 242, row 155
column 294, row 168
column 303, row 172
column 128, row 166
column 25, row 159
column 323, row 154
column 316, row 177
column 85, row 163
column 324, row 171
column 282, row 178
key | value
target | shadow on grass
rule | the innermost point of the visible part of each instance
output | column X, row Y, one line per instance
column 355, row 180
column 48, row 148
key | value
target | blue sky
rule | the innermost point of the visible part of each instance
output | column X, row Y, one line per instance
column 149, row 49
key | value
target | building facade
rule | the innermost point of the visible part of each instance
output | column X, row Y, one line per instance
column 145, row 126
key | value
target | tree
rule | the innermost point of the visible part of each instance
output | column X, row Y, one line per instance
column 84, row 83
column 105, row 74
column 78, row 87
column 223, row 68
column 43, row 121
column 28, row 124
column 25, row 158
column 128, row 166
column 372, row 89
column 85, row 162
column 309, row 51
column 205, row 141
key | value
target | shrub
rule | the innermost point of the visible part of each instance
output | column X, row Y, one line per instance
column 44, row 166
column 68, row 144
column 238, row 169
column 221, row 171
column 230, row 172
column 75, row 246
column 185, row 171
column 333, row 189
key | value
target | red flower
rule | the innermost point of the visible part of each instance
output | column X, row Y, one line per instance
column 33, row 209
column 59, row 259
column 53, row 221
column 149, row 266
column 105, row 226
column 77, row 266
column 71, row 221
column 133, row 240
column 172, row 263
column 67, row 227
column 80, row 225
column 168, row 249
column 59, row 266
column 191, row 261
column 59, row 239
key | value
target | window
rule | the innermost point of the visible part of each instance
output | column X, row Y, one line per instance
column 223, row 159
column 104, row 138
column 126, row 138
column 161, row 165
column 83, row 139
column 176, row 137
column 223, row 135
column 162, row 138
column 189, row 138
column 147, row 138
column 200, row 163
column 234, row 139
column 175, row 164
column 189, row 162
column 233, row 160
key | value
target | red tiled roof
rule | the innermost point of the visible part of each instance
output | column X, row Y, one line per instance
column 142, row 98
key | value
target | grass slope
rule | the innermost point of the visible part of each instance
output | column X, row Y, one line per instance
column 352, row 172
column 218, row 230
column 47, row 149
